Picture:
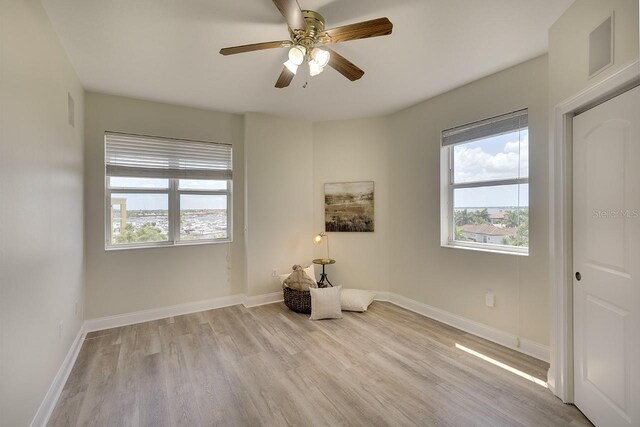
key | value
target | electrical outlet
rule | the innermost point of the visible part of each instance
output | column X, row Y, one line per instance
column 490, row 299
column 60, row 329
column 274, row 272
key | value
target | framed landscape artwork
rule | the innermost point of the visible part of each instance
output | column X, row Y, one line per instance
column 348, row 206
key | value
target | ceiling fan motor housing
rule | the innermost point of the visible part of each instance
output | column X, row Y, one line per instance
column 310, row 37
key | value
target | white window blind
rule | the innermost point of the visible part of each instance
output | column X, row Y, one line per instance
column 154, row 157
column 500, row 125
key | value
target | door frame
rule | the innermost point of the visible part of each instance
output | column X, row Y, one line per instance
column 560, row 376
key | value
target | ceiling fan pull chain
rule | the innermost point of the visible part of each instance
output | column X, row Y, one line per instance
column 306, row 78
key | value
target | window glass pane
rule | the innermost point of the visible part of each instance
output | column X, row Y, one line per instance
column 202, row 184
column 498, row 157
column 119, row 182
column 139, row 218
column 203, row 217
column 496, row 215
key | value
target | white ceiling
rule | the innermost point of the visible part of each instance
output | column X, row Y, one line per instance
column 167, row 50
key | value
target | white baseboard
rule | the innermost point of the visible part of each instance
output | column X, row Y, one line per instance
column 119, row 320
column 535, row 349
column 51, row 398
column 116, row 321
column 490, row 333
column 382, row 296
column 257, row 300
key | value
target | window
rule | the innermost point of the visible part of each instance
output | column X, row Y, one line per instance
column 166, row 192
column 485, row 191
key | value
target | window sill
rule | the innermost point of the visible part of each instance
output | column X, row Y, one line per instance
column 486, row 248
column 166, row 245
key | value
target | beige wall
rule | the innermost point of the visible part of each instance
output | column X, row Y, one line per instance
column 139, row 279
column 456, row 280
column 41, row 212
column 401, row 153
column 354, row 150
column 569, row 38
column 278, row 162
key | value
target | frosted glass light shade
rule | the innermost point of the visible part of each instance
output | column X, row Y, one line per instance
column 321, row 57
column 314, row 68
column 297, row 54
column 291, row 66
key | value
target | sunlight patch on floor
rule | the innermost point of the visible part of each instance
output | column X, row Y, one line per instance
column 503, row 366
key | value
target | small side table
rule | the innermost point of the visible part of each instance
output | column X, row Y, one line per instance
column 323, row 276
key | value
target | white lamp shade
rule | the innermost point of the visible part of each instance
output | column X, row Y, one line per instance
column 321, row 57
column 291, row 66
column 297, row 54
column 314, row 68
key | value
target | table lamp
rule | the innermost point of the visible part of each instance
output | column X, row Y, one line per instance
column 319, row 238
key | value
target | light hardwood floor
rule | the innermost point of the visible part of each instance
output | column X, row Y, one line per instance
column 270, row 366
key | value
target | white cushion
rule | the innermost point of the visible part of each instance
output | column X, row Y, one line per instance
column 356, row 299
column 311, row 272
column 325, row 303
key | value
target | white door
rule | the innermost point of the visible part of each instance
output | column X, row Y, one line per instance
column 606, row 259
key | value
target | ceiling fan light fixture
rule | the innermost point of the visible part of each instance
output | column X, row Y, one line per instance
column 321, row 57
column 297, row 54
column 291, row 66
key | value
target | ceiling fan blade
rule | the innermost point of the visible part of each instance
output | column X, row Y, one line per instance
column 285, row 78
column 253, row 47
column 344, row 66
column 292, row 14
column 361, row 30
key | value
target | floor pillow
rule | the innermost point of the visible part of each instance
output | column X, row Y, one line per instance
column 325, row 303
column 356, row 299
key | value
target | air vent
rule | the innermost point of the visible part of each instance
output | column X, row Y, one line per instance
column 601, row 47
column 71, row 110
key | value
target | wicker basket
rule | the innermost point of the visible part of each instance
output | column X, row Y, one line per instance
column 299, row 301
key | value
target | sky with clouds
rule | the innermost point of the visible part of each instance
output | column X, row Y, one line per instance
column 500, row 157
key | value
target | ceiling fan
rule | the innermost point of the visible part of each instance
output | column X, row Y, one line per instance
column 307, row 33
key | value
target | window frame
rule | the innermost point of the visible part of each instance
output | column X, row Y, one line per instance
column 448, row 187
